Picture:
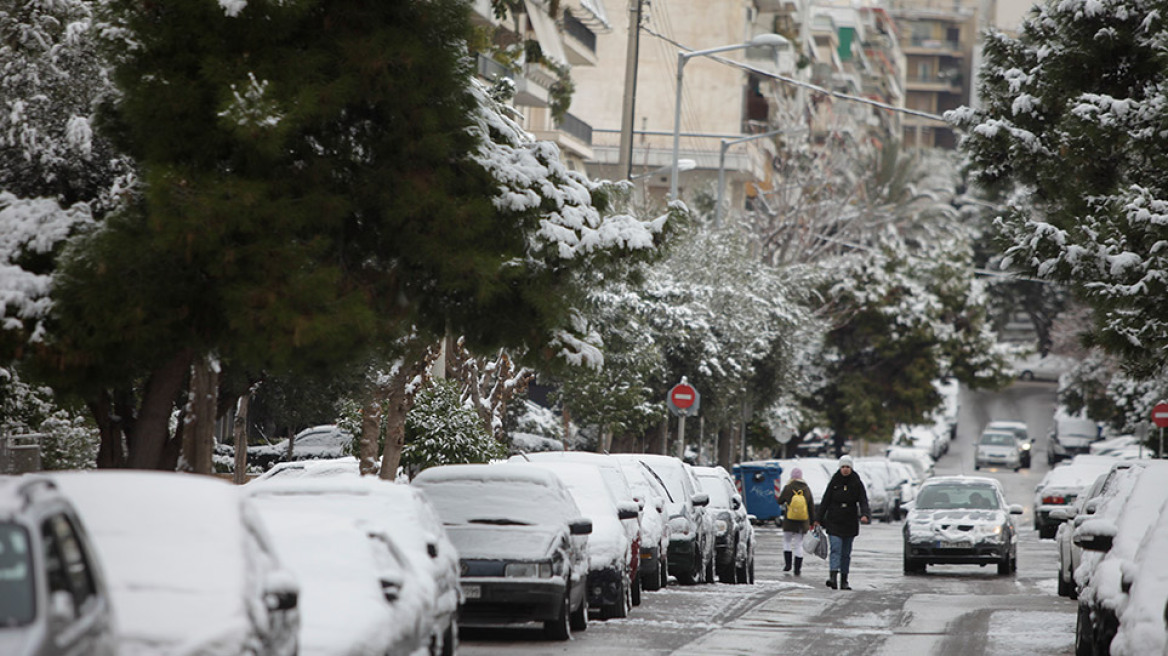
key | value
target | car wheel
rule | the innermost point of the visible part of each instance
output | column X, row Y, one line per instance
column 559, row 628
column 1004, row 566
column 1047, row 532
column 1084, row 633
column 450, row 639
column 654, row 582
column 636, row 590
column 1064, row 588
column 709, row 576
column 663, row 570
column 913, row 566
column 620, row 608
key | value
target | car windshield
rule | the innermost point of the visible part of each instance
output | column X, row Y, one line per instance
column 716, row 487
column 997, row 439
column 17, row 589
column 957, row 495
column 500, row 502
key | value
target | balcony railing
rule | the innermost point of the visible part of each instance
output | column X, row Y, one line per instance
column 579, row 31
column 935, row 44
column 577, row 128
column 489, row 69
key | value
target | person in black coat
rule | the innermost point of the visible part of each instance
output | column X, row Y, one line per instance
column 842, row 509
column 794, row 529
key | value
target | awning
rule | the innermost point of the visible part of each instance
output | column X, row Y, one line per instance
column 550, row 41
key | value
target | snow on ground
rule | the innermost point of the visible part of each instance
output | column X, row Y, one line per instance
column 1013, row 632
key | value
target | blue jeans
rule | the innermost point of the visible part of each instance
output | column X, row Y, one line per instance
column 840, row 559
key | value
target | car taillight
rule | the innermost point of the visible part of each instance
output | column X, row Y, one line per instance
column 1054, row 500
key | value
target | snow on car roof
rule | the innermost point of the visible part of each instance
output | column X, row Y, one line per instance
column 1076, row 474
column 486, row 473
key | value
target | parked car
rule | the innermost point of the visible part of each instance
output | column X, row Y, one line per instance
column 647, row 490
column 920, row 461
column 53, row 594
column 1020, row 431
column 1070, row 436
column 1141, row 613
column 734, row 532
column 318, row 442
column 961, row 520
column 610, row 578
column 691, row 533
column 1061, row 486
column 522, row 543
column 883, row 493
column 923, row 437
column 1113, row 538
column 399, row 516
column 1107, row 446
column 1083, row 508
column 212, row 584
column 336, row 558
column 994, row 448
column 618, row 486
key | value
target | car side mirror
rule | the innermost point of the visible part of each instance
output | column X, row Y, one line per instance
column 1095, row 542
column 281, row 591
column 61, row 609
column 432, row 549
column 701, row 499
column 735, row 502
column 1015, row 509
column 1059, row 515
column 659, row 505
column 391, row 585
column 580, row 526
column 627, row 510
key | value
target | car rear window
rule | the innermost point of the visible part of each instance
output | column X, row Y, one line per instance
column 17, row 588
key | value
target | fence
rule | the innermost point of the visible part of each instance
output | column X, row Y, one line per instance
column 20, row 454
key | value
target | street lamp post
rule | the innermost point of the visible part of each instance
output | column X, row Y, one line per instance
column 726, row 143
column 773, row 40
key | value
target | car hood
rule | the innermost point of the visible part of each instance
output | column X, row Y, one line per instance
column 513, row 541
column 1075, row 440
column 950, row 524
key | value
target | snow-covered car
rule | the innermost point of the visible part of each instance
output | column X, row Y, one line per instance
column 618, row 486
column 610, row 579
column 1071, row 517
column 999, row 449
column 920, row 461
column 1141, row 612
column 1110, row 541
column 327, row 441
column 337, row 558
column 1020, row 431
column 649, row 492
column 522, row 543
column 1070, row 436
column 1061, row 486
column 961, row 520
column 817, row 473
column 1039, row 367
column 923, row 437
column 1105, row 447
column 400, row 515
column 189, row 562
column 691, row 536
column 883, row 494
column 734, row 532
column 53, row 595
column 328, row 468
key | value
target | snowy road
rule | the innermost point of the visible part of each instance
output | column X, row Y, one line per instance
column 950, row 611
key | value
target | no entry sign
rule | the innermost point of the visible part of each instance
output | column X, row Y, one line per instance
column 684, row 399
column 1160, row 415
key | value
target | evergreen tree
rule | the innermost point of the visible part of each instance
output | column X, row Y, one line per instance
column 1086, row 153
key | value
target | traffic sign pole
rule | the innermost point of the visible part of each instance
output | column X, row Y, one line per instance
column 681, row 436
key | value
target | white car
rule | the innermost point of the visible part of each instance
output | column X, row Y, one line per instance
column 1019, row 429
column 1141, row 614
column 610, row 550
column 998, row 449
column 734, row 532
column 961, row 520
column 1061, row 486
column 190, row 564
column 405, row 517
column 923, row 437
column 883, row 490
column 648, row 491
column 920, row 461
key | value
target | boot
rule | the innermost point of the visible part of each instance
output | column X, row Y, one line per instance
column 844, row 581
column 831, row 581
column 798, row 566
column 787, row 561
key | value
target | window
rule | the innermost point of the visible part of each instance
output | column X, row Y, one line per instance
column 17, row 586
column 66, row 562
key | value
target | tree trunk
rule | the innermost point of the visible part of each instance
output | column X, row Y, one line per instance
column 239, row 429
column 199, row 434
column 725, row 448
column 370, row 431
column 111, row 454
column 664, row 448
column 151, row 431
column 398, row 401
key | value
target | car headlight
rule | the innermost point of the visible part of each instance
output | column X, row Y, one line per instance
column 1026, row 446
column 679, row 526
column 540, row 570
column 990, row 533
column 720, row 526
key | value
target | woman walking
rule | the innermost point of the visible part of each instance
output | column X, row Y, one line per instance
column 841, row 511
column 800, row 508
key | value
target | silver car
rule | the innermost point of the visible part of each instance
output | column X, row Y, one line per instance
column 998, row 449
column 961, row 520
column 53, row 596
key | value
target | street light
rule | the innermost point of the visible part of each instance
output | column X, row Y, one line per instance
column 772, row 40
column 726, row 143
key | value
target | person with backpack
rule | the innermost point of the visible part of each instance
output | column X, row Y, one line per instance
column 841, row 511
column 799, row 505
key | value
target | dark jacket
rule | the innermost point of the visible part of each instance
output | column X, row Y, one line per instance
column 796, row 525
column 843, row 504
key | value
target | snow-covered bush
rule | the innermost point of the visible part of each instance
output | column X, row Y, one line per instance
column 68, row 440
column 442, row 431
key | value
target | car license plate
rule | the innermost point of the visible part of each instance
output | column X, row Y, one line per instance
column 472, row 591
column 945, row 544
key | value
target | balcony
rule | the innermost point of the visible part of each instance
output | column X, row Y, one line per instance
column 579, row 41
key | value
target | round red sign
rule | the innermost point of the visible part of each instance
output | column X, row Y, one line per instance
column 1160, row 415
column 683, row 395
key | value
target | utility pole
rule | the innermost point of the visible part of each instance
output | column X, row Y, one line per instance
column 628, row 106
